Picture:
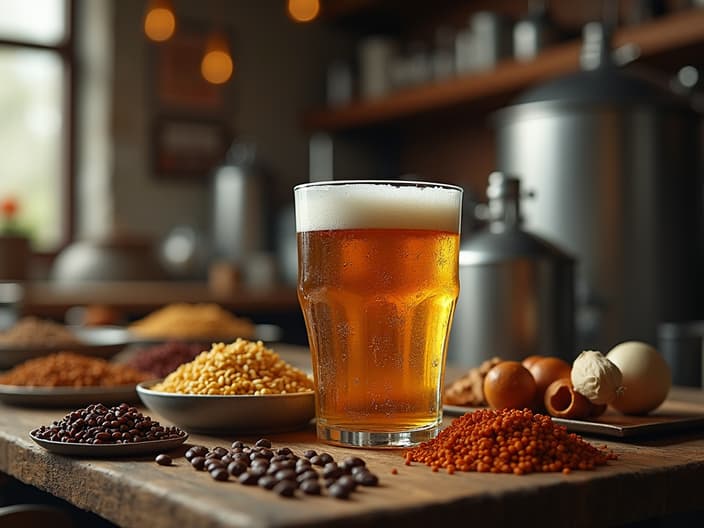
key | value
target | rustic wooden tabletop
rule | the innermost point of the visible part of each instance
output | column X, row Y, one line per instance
column 652, row 477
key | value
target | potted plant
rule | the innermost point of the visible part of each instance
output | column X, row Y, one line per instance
column 15, row 248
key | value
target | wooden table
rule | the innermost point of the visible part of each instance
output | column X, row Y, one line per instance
column 651, row 478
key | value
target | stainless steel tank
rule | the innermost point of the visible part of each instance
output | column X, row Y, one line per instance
column 516, row 290
column 614, row 161
column 238, row 205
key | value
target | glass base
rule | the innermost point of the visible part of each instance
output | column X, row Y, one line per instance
column 376, row 439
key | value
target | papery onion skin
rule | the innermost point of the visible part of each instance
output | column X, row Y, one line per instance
column 595, row 377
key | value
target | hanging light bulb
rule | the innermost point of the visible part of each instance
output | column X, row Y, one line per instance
column 303, row 10
column 159, row 20
column 217, row 66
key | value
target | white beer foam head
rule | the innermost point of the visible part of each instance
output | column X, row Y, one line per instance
column 377, row 205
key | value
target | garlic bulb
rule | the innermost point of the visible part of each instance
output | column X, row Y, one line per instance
column 595, row 377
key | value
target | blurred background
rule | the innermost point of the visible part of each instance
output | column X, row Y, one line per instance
column 148, row 150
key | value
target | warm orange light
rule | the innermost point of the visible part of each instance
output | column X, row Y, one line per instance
column 217, row 66
column 159, row 21
column 303, row 10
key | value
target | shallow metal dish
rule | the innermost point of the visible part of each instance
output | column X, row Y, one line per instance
column 66, row 396
column 103, row 342
column 110, row 450
column 272, row 413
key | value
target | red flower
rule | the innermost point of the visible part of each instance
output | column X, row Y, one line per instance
column 8, row 208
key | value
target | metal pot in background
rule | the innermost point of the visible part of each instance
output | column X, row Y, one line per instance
column 516, row 290
column 614, row 160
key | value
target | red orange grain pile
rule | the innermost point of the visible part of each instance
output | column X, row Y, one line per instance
column 507, row 441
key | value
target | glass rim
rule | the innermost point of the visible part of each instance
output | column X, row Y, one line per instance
column 397, row 183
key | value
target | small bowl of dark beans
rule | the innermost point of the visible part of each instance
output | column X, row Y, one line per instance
column 281, row 470
column 107, row 431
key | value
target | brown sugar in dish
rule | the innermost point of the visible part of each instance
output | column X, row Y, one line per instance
column 507, row 441
column 67, row 369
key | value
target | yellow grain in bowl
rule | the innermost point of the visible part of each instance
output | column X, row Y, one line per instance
column 240, row 368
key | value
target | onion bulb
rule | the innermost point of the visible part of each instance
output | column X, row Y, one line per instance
column 595, row 377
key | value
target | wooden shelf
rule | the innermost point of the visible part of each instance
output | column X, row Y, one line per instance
column 49, row 299
column 678, row 31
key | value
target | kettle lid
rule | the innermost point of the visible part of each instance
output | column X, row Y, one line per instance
column 503, row 239
column 487, row 247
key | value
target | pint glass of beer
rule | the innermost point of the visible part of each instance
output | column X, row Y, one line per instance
column 377, row 283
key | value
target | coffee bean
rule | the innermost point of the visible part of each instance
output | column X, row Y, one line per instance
column 248, row 479
column 303, row 463
column 307, row 475
column 352, row 462
column 309, row 453
column 260, row 462
column 241, row 457
column 198, row 463
column 310, row 487
column 347, row 481
column 267, row 482
column 214, row 464
column 285, row 464
column 332, row 470
column 199, row 450
column 237, row 444
column 285, row 488
column 220, row 451
column 317, row 461
column 366, row 478
column 339, row 492
column 266, row 453
column 284, row 451
column 260, row 469
column 326, row 458
column 286, row 474
column 236, row 468
column 220, row 474
column 263, row 442
column 163, row 460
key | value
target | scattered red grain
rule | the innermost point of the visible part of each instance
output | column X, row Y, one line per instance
column 508, row 441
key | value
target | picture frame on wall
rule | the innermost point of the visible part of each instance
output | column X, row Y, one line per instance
column 191, row 119
column 189, row 148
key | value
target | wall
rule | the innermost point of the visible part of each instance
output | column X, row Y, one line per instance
column 279, row 72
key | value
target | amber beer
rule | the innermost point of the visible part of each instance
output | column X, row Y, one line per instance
column 378, row 282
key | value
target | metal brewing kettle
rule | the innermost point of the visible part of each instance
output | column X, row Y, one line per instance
column 614, row 157
column 516, row 289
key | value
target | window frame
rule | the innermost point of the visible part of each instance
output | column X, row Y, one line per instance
column 65, row 50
